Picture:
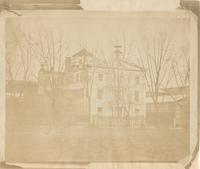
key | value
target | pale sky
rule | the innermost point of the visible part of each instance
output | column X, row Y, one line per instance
column 99, row 34
column 153, row 5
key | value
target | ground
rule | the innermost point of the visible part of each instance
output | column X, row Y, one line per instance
column 95, row 144
column 32, row 137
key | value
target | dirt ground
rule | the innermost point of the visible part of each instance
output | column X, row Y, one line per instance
column 81, row 144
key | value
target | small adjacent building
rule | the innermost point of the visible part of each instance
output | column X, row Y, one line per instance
column 172, row 107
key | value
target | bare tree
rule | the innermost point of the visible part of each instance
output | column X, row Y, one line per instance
column 181, row 70
column 90, row 84
column 118, row 74
column 25, row 55
column 11, row 70
column 154, row 56
column 51, row 51
column 180, row 73
column 19, row 56
column 13, row 65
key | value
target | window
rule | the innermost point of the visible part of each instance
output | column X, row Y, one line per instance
column 99, row 109
column 137, row 80
column 67, row 80
column 100, row 94
column 77, row 77
column 121, row 92
column 46, row 80
column 137, row 112
column 138, row 119
column 82, row 76
column 137, row 95
column 60, row 80
column 100, row 77
column 121, row 111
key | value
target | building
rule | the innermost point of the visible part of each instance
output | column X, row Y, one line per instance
column 173, row 107
column 20, row 89
column 105, row 93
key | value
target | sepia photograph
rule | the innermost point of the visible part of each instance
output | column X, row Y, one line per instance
column 98, row 87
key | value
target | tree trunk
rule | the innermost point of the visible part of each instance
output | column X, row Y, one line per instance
column 54, row 113
column 156, row 104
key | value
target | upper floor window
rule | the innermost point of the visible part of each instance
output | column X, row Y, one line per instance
column 76, row 77
column 100, row 94
column 138, row 119
column 100, row 77
column 99, row 110
column 137, row 96
column 82, row 76
column 68, row 79
column 137, row 112
column 59, row 80
column 137, row 80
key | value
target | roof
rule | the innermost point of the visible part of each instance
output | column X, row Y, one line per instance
column 165, row 99
column 150, row 94
column 82, row 52
column 20, row 82
column 52, row 72
column 176, row 90
column 172, row 94
column 102, row 63
column 95, row 60
column 184, row 99
column 20, row 86
column 131, row 65
column 171, row 91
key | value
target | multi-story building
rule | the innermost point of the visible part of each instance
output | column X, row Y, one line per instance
column 108, row 93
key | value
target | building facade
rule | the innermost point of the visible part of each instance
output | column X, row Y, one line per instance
column 109, row 93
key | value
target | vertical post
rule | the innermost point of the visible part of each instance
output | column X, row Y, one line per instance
column 117, row 54
column 2, row 91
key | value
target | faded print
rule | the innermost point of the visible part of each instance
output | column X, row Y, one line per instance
column 97, row 88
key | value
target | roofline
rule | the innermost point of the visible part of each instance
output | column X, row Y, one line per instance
column 76, row 54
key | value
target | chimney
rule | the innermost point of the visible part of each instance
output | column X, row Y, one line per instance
column 67, row 64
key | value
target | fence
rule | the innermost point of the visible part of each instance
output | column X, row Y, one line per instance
column 109, row 121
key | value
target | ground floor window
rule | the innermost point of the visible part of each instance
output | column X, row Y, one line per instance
column 99, row 110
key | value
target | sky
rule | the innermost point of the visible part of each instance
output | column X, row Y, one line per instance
column 97, row 33
column 130, row 4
